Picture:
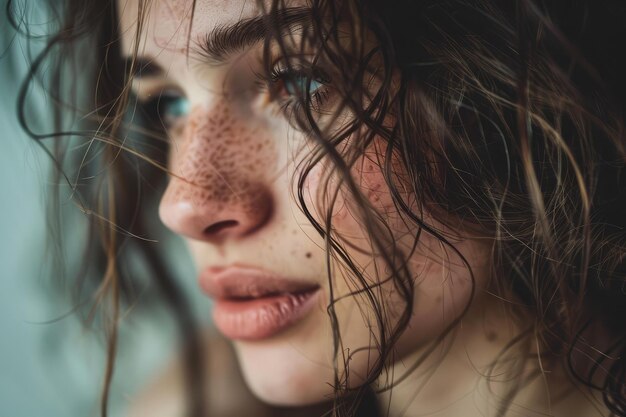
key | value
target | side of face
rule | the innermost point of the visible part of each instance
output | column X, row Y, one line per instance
column 234, row 160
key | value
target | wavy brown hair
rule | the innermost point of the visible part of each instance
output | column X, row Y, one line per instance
column 506, row 115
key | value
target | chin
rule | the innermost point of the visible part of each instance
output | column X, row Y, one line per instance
column 288, row 373
column 293, row 369
column 287, row 387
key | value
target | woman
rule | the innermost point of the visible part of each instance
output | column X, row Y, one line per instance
column 421, row 201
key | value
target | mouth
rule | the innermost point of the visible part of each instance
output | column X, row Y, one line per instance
column 253, row 304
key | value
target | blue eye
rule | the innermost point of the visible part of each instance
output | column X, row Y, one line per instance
column 166, row 109
column 294, row 86
column 298, row 83
column 175, row 107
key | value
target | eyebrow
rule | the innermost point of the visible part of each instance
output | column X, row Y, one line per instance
column 216, row 46
column 142, row 67
column 221, row 42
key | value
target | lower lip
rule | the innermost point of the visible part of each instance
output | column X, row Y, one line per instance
column 264, row 317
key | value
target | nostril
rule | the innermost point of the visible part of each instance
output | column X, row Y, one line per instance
column 216, row 228
column 194, row 213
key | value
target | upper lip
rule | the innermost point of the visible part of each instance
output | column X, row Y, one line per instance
column 245, row 282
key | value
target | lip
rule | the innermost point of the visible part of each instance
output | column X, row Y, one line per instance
column 255, row 304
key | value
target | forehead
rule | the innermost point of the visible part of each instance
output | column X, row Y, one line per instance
column 168, row 25
column 172, row 26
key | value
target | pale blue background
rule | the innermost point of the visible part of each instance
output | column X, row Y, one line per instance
column 50, row 364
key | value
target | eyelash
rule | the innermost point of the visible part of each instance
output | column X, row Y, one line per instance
column 278, row 79
column 155, row 108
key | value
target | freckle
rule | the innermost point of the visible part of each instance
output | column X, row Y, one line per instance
column 492, row 336
column 438, row 299
column 308, row 254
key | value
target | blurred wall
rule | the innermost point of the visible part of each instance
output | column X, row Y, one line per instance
column 50, row 363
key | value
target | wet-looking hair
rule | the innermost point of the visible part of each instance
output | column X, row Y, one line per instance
column 506, row 117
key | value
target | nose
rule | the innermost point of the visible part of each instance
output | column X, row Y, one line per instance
column 219, row 189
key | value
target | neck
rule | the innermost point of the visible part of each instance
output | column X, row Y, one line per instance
column 488, row 366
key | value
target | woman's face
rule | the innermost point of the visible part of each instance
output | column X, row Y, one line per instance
column 235, row 158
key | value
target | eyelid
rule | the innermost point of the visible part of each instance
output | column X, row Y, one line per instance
column 285, row 69
column 167, row 93
column 305, row 64
column 151, row 101
column 311, row 72
column 156, row 88
column 149, row 86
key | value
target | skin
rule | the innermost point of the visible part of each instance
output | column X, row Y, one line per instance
column 234, row 157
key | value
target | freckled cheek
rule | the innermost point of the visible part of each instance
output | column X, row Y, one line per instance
column 375, row 188
column 320, row 195
column 319, row 190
